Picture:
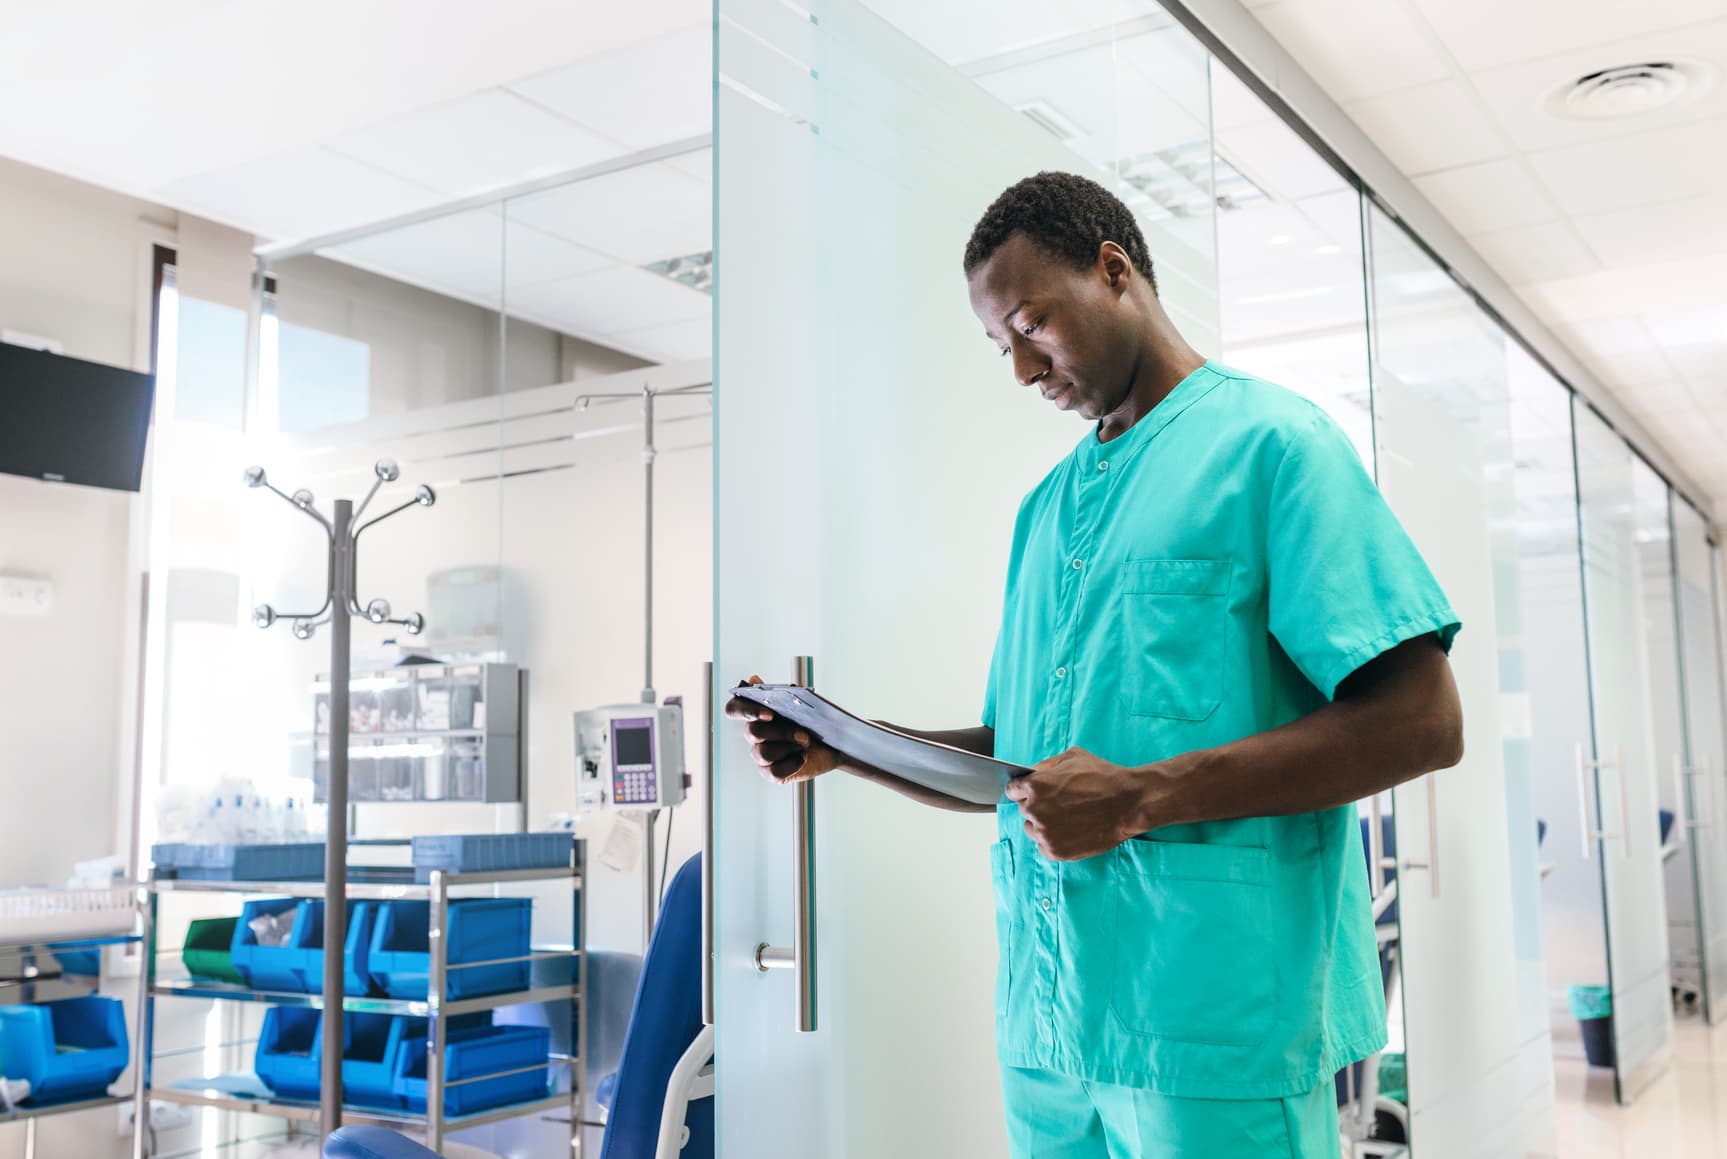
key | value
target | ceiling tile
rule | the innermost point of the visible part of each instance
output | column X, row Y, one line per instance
column 1613, row 293
column 1654, row 399
column 673, row 342
column 1492, row 195
column 1484, row 33
column 1620, row 350
column 1357, row 48
column 1274, row 158
column 960, row 33
column 637, row 215
column 610, row 302
column 467, row 255
column 1436, row 126
column 1657, row 233
column 699, row 165
column 644, row 95
column 299, row 195
column 1516, row 93
column 1234, row 104
column 1641, row 170
column 1535, row 253
column 481, row 141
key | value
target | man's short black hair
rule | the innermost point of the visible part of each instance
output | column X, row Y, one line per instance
column 1066, row 214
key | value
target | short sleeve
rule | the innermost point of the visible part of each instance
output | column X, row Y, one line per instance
column 988, row 717
column 1346, row 583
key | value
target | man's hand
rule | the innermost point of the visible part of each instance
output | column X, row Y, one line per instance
column 1077, row 805
column 786, row 753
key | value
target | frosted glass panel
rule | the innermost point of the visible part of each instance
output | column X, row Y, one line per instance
column 871, row 450
column 1550, row 698
column 1700, row 783
column 1621, row 500
column 1291, row 277
column 1443, row 441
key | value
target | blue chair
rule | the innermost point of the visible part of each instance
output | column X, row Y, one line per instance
column 372, row 1143
column 660, row 1101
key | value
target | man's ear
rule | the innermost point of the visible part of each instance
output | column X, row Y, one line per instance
column 1117, row 269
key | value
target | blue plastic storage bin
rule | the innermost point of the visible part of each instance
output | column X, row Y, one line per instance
column 372, row 1053
column 307, row 943
column 297, row 861
column 72, row 1049
column 490, row 852
column 481, row 929
column 278, row 968
column 472, row 1053
column 290, row 1045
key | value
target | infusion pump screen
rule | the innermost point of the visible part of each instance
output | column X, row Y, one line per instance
column 632, row 747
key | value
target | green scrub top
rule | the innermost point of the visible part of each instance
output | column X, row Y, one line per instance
column 1213, row 572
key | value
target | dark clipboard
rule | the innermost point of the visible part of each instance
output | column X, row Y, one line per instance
column 944, row 768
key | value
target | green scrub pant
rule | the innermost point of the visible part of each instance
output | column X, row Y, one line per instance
column 1054, row 1116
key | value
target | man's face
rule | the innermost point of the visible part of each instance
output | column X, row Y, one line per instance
column 1067, row 331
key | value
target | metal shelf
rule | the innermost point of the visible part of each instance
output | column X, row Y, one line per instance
column 364, row 886
column 418, row 1008
column 22, row 1113
column 308, row 1112
column 88, row 943
column 236, row 1093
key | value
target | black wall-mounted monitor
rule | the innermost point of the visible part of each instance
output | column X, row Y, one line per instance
column 71, row 421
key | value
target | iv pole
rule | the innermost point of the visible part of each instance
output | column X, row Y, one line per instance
column 340, row 605
column 650, row 452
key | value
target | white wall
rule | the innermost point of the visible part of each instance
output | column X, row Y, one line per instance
column 74, row 267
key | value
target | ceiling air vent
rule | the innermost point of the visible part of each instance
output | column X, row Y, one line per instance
column 1631, row 90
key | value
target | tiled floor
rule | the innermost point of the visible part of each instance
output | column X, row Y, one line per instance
column 1684, row 1113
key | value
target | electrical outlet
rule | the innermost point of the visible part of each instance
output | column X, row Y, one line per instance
column 25, row 597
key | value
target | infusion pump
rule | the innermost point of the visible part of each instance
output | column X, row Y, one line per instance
column 630, row 756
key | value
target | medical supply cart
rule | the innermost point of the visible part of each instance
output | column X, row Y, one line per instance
column 53, row 949
column 556, row 975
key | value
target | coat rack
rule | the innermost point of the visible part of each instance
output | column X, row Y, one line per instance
column 342, row 531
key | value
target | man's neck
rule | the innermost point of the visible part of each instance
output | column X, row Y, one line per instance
column 1164, row 363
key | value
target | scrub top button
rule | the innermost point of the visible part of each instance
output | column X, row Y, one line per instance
column 1078, row 563
column 1061, row 673
column 1046, row 904
column 1103, row 465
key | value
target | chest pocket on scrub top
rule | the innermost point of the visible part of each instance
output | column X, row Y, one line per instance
column 1175, row 616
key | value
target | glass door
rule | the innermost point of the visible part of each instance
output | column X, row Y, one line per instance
column 1442, row 440
column 1697, row 774
column 871, row 450
column 1616, row 493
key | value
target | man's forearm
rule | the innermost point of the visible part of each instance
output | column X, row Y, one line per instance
column 978, row 740
column 1407, row 724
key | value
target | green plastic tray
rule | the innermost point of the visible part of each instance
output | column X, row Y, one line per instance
column 207, row 950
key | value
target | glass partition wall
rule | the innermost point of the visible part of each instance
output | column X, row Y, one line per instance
column 1697, row 795
column 1620, row 502
column 500, row 355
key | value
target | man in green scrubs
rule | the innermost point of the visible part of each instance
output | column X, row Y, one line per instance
column 1216, row 639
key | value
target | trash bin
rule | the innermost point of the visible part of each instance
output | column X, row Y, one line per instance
column 1592, row 1006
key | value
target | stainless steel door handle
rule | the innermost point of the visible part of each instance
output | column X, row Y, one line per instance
column 1431, row 865
column 1589, row 832
column 801, row 957
column 1681, row 822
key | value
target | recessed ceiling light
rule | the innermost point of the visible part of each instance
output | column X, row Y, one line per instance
column 1631, row 90
column 1329, row 249
column 1280, row 239
column 694, row 270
